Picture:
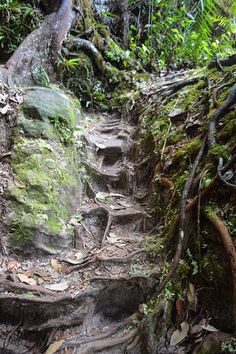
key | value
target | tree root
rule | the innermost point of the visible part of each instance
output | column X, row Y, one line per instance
column 8, row 284
column 121, row 278
column 120, row 259
column 132, row 345
column 85, row 263
column 103, row 344
column 179, row 85
column 182, row 218
column 219, row 113
column 221, row 177
column 231, row 60
column 107, row 229
column 90, row 49
column 57, row 323
column 35, row 299
column 41, row 48
column 229, row 248
column 75, row 341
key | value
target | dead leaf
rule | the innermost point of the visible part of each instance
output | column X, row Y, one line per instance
column 100, row 146
column 56, row 265
column 25, row 279
column 57, row 287
column 175, row 113
column 43, row 275
column 79, row 255
column 5, row 109
column 179, row 335
column 71, row 261
column 13, row 265
column 53, row 348
column 102, row 195
column 209, row 328
column 180, row 307
column 116, row 207
column 19, row 183
column 191, row 296
column 124, row 203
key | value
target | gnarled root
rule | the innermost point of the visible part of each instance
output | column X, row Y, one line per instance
column 41, row 48
column 229, row 248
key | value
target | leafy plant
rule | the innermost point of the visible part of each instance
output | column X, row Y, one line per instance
column 17, row 20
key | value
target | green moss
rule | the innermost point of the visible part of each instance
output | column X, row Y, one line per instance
column 20, row 234
column 46, row 184
column 189, row 149
column 218, row 151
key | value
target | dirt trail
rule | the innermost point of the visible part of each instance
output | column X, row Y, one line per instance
column 87, row 295
column 87, row 299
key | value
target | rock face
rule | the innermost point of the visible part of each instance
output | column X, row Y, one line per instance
column 46, row 189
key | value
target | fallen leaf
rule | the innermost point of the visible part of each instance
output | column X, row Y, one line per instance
column 175, row 113
column 209, row 328
column 18, row 183
column 13, row 265
column 102, row 195
column 180, row 307
column 79, row 255
column 5, row 109
column 43, row 275
column 179, row 335
column 53, row 348
column 116, row 207
column 100, row 146
column 25, row 279
column 71, row 261
column 191, row 296
column 56, row 265
column 124, row 203
column 57, row 287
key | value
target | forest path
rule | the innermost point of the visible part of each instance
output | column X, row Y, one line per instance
column 104, row 279
column 87, row 299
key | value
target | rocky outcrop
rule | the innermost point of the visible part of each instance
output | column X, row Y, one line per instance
column 44, row 162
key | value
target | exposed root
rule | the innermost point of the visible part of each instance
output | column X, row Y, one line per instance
column 8, row 284
column 89, row 48
column 88, row 231
column 219, row 113
column 229, row 248
column 41, row 48
column 35, row 299
column 121, row 278
column 103, row 344
column 179, row 85
column 57, row 323
column 5, row 344
column 182, row 218
column 213, row 183
column 85, row 263
column 231, row 60
column 121, row 259
column 133, row 345
column 77, row 340
column 221, row 177
column 107, row 229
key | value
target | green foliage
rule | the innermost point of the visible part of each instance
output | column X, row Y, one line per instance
column 180, row 34
column 229, row 346
column 17, row 20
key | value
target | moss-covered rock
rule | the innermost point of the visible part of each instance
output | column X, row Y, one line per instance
column 46, row 186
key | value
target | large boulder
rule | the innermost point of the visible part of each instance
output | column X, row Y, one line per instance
column 46, row 189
